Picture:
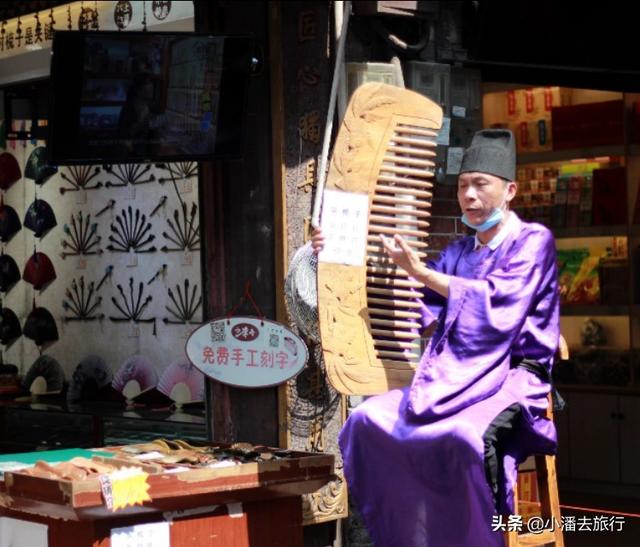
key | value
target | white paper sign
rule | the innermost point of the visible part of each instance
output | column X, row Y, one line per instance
column 22, row 533
column 443, row 134
column 458, row 111
column 344, row 226
column 454, row 160
column 155, row 534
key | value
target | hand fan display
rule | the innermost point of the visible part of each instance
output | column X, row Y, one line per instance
column 90, row 376
column 182, row 383
column 45, row 377
column 135, row 376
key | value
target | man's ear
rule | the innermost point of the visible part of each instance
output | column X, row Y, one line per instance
column 512, row 190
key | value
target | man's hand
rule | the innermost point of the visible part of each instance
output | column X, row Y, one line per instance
column 317, row 240
column 403, row 256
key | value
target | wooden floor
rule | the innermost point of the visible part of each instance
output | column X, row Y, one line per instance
column 629, row 536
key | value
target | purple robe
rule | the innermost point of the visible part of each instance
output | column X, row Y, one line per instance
column 415, row 459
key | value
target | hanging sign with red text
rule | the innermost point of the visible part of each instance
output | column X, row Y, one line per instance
column 247, row 351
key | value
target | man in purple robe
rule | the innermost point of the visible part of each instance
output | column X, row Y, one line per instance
column 431, row 464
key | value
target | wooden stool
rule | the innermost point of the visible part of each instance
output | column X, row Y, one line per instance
column 547, row 492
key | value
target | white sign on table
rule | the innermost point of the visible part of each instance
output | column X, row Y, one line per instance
column 344, row 226
column 155, row 534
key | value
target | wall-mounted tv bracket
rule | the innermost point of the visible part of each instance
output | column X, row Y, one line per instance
column 132, row 307
column 129, row 173
column 79, row 176
column 131, row 232
column 178, row 171
column 82, row 305
column 82, row 237
column 185, row 306
column 185, row 232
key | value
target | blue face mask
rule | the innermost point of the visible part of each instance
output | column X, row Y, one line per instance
column 494, row 218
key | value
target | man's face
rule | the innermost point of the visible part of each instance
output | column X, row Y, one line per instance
column 480, row 193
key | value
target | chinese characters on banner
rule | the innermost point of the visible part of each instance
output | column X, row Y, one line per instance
column 247, row 351
column 223, row 356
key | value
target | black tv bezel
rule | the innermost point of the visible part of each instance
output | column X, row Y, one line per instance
column 229, row 118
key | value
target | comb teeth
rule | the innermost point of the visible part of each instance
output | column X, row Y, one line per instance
column 400, row 205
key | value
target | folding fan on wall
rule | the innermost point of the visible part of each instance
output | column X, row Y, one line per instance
column 136, row 375
column 45, row 377
column 90, row 376
column 182, row 383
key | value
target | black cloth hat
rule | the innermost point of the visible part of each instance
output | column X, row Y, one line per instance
column 40, row 326
column 9, row 170
column 492, row 151
column 40, row 217
column 9, row 272
column 39, row 270
column 38, row 167
column 9, row 326
column 9, row 222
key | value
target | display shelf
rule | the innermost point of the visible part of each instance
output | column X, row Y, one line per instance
column 591, row 231
column 529, row 158
column 47, row 426
column 593, row 309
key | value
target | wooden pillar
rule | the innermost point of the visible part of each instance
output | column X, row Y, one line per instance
column 238, row 226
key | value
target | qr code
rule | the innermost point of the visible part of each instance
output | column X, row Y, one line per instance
column 274, row 341
column 218, row 332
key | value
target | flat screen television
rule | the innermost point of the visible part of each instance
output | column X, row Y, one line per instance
column 127, row 97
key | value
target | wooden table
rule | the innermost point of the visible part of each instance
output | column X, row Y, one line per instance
column 251, row 504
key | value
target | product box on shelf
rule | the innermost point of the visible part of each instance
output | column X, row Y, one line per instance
column 559, row 214
column 588, row 125
column 586, row 202
column 573, row 201
column 609, row 196
column 614, row 281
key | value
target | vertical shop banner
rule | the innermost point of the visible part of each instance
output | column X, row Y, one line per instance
column 314, row 410
column 34, row 31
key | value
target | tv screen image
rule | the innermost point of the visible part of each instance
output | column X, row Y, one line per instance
column 142, row 96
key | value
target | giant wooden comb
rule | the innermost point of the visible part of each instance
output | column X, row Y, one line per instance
column 369, row 315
